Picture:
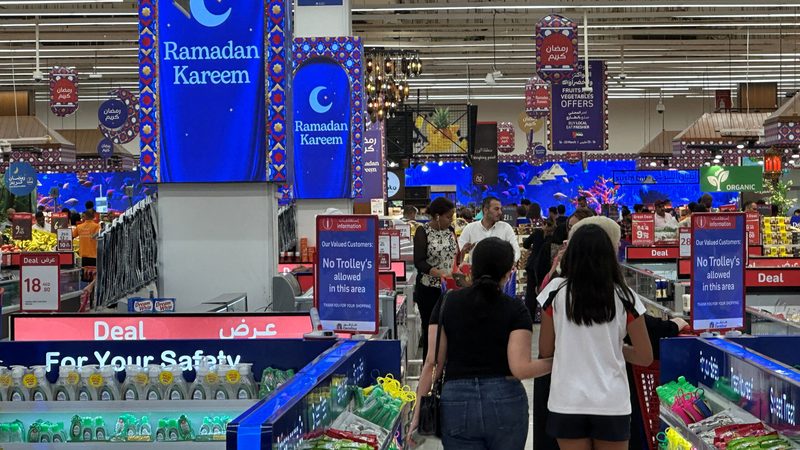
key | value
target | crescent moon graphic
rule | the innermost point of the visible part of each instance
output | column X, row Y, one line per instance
column 204, row 16
column 128, row 131
column 313, row 100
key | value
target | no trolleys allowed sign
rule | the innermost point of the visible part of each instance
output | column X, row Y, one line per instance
column 40, row 282
column 719, row 258
column 346, row 291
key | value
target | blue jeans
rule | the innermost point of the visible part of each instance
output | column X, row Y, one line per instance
column 484, row 414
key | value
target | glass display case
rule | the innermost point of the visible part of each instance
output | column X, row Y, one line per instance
column 658, row 286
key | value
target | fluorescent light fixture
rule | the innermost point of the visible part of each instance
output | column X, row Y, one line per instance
column 561, row 6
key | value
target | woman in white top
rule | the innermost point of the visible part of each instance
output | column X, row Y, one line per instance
column 588, row 312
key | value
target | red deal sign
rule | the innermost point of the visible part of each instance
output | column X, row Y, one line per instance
column 644, row 229
column 753, row 227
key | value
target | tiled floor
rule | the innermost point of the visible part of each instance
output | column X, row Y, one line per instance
column 436, row 445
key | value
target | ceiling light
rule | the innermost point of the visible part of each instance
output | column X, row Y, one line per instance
column 740, row 146
column 425, row 168
column 441, row 163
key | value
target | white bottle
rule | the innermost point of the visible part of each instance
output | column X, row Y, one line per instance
column 5, row 383
column 153, row 388
column 17, row 392
column 109, row 391
column 246, row 389
column 66, row 387
column 134, row 387
column 86, row 392
column 200, row 389
column 177, row 389
column 39, row 388
column 223, row 391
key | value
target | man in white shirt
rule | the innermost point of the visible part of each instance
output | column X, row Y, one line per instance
column 664, row 220
column 491, row 225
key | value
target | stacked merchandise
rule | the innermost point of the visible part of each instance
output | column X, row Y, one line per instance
column 780, row 238
column 724, row 430
column 41, row 241
column 127, row 255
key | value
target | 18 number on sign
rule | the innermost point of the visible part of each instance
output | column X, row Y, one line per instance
column 40, row 287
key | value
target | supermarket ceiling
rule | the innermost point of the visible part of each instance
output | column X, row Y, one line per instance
column 686, row 48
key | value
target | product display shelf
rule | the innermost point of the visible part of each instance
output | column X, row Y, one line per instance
column 188, row 445
column 644, row 279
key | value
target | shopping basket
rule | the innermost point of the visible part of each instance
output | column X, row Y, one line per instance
column 645, row 381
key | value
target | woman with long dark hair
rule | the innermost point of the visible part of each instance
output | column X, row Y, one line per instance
column 588, row 312
column 486, row 344
column 435, row 251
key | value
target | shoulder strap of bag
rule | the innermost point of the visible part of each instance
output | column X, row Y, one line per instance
column 439, row 336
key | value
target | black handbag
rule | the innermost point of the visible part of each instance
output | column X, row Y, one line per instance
column 429, row 423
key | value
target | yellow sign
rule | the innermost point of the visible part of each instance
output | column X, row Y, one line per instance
column 5, row 381
column 232, row 376
column 166, row 378
column 212, row 378
column 73, row 378
column 30, row 381
column 95, row 380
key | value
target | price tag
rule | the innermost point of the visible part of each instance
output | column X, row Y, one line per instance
column 40, row 282
column 753, row 227
column 96, row 380
column 64, row 240
column 22, row 226
column 58, row 221
column 644, row 229
column 685, row 239
column 165, row 378
column 232, row 376
column 140, row 379
column 30, row 381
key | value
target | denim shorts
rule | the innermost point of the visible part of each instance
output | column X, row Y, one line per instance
column 484, row 414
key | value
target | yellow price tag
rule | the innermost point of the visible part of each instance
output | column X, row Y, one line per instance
column 212, row 378
column 73, row 378
column 96, row 380
column 30, row 381
column 232, row 376
column 140, row 379
column 166, row 378
column 5, row 381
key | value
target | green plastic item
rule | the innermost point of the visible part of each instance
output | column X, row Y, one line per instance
column 723, row 387
column 669, row 391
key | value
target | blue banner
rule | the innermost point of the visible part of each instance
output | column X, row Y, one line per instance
column 346, row 292
column 580, row 118
column 20, row 178
column 719, row 246
column 636, row 177
column 211, row 91
column 321, row 101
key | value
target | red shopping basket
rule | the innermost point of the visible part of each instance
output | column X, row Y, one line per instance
column 645, row 380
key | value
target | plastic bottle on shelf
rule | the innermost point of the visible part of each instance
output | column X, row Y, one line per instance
column 135, row 379
column 246, row 389
column 222, row 391
column 5, row 383
column 201, row 389
column 17, row 392
column 175, row 384
column 144, row 427
column 37, row 383
column 57, row 433
column 109, row 390
column 87, row 390
column 152, row 390
column 66, row 387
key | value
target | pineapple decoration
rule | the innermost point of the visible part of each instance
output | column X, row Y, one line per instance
column 442, row 134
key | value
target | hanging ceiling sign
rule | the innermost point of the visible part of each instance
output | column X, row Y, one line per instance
column 119, row 116
column 20, row 178
column 105, row 148
column 505, row 137
column 579, row 121
column 537, row 98
column 556, row 48
column 63, row 91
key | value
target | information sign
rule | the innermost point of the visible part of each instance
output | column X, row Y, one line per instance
column 718, row 266
column 39, row 279
column 346, row 291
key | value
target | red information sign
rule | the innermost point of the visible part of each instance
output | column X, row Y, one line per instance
column 537, row 97
column 753, row 227
column 157, row 327
column 644, row 229
column 21, row 226
column 779, row 278
column 40, row 282
column 651, row 253
column 58, row 221
column 505, row 137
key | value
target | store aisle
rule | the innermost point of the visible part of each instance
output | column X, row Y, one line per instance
column 436, row 445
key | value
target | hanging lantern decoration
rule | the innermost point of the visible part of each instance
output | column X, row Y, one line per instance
column 505, row 137
column 773, row 164
column 386, row 81
column 556, row 48
column 537, row 98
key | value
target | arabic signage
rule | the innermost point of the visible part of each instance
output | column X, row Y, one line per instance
column 346, row 290
column 21, row 226
column 580, row 119
column 20, row 178
column 643, row 229
column 112, row 113
column 719, row 245
column 105, row 148
column 753, row 224
column 64, row 240
column 731, row 179
column 637, row 177
column 58, row 221
column 321, row 101
column 63, row 91
column 537, row 98
column 159, row 327
column 556, row 48
column 374, row 156
column 211, row 91
column 40, row 282
column 484, row 158
column 505, row 137
column 119, row 117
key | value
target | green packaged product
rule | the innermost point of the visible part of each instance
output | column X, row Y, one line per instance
column 75, row 429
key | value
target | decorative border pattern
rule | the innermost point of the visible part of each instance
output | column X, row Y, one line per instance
column 148, row 87
column 782, row 133
column 58, row 108
column 349, row 52
column 277, row 89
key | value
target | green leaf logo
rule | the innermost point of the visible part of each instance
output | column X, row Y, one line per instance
column 719, row 178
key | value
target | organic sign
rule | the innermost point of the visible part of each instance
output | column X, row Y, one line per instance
column 731, row 179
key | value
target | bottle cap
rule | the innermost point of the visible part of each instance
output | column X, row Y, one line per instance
column 107, row 371
column 39, row 371
column 245, row 369
column 17, row 371
column 153, row 370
